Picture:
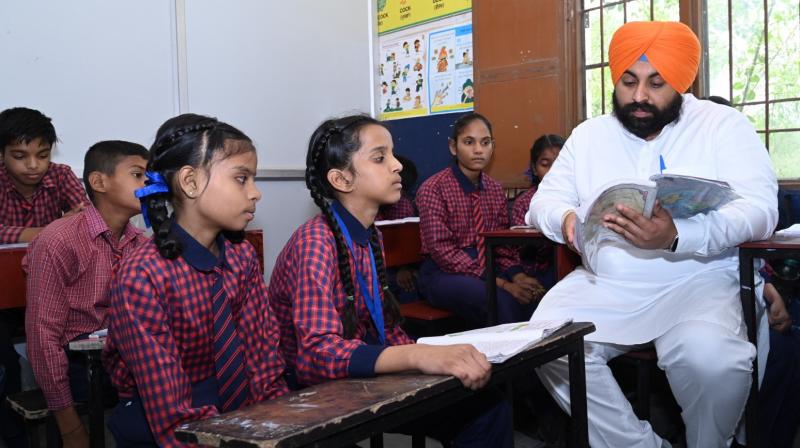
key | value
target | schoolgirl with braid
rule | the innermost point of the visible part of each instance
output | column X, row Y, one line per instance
column 191, row 333
column 329, row 291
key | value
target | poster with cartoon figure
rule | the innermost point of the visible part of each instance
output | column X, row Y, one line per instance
column 450, row 86
column 402, row 75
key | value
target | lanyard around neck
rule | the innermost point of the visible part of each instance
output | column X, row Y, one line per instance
column 373, row 297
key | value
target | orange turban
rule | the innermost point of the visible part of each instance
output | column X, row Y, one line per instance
column 670, row 47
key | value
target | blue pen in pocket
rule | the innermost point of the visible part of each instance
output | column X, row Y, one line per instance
column 661, row 162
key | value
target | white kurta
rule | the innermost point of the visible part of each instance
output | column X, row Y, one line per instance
column 638, row 295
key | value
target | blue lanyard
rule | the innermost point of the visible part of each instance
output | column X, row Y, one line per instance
column 373, row 298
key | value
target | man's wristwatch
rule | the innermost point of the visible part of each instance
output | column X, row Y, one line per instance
column 674, row 246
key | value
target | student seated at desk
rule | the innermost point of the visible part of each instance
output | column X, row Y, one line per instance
column 329, row 292
column 537, row 259
column 403, row 279
column 191, row 333
column 70, row 266
column 404, row 208
column 33, row 192
column 456, row 204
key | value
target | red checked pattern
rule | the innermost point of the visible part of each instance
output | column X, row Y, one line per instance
column 70, row 266
column 161, row 333
column 59, row 192
column 447, row 224
column 308, row 298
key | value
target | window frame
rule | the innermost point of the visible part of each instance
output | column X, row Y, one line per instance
column 692, row 13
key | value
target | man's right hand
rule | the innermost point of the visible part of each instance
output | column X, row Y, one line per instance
column 568, row 229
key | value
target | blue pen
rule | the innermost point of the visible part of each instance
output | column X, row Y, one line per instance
column 661, row 161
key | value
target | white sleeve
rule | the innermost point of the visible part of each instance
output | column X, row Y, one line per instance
column 744, row 163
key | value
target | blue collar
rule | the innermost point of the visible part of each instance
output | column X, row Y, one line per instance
column 357, row 231
column 195, row 253
column 466, row 185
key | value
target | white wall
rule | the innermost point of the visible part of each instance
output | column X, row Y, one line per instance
column 99, row 69
column 117, row 70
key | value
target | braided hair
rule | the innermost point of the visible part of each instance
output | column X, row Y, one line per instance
column 193, row 140
column 331, row 147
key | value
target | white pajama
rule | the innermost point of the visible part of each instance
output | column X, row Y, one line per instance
column 686, row 302
column 689, row 353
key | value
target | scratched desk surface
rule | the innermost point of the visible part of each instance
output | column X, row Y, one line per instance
column 336, row 405
column 315, row 415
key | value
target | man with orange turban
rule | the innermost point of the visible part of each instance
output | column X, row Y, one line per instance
column 670, row 282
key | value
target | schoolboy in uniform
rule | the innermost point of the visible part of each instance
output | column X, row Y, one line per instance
column 33, row 192
column 70, row 266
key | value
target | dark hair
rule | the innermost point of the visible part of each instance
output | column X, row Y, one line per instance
column 464, row 120
column 408, row 176
column 718, row 100
column 104, row 157
column 20, row 124
column 544, row 142
column 331, row 147
column 193, row 140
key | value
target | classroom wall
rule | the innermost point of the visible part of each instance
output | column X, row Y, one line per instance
column 117, row 70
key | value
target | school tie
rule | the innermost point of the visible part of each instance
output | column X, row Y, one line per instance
column 478, row 221
column 232, row 383
column 27, row 210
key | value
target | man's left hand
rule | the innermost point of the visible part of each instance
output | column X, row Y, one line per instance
column 657, row 232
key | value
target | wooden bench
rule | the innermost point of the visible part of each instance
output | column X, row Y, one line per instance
column 402, row 246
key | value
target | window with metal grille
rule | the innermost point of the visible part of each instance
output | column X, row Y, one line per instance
column 753, row 53
column 600, row 19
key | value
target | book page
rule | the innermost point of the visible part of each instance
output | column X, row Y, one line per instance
column 686, row 196
column 590, row 232
column 503, row 341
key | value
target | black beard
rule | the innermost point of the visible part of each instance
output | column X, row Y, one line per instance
column 645, row 127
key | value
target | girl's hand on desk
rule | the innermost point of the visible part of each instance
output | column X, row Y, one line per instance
column 462, row 361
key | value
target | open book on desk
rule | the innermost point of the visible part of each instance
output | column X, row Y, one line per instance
column 501, row 342
column 682, row 196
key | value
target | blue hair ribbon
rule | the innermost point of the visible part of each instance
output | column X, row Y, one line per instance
column 154, row 184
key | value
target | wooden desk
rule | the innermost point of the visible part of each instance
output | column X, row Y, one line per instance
column 346, row 411
column 563, row 259
column 775, row 247
column 12, row 278
column 401, row 243
column 93, row 348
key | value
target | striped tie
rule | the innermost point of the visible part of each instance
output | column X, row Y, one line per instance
column 232, row 383
column 478, row 217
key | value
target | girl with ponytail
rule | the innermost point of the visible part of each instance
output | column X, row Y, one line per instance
column 191, row 333
column 330, row 295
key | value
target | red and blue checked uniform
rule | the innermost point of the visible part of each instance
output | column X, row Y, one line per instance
column 521, row 205
column 536, row 260
column 70, row 266
column 58, row 192
column 403, row 208
column 451, row 276
column 447, row 226
column 161, row 330
column 308, row 298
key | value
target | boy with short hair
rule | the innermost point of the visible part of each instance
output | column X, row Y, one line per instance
column 70, row 266
column 33, row 191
